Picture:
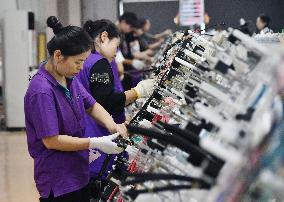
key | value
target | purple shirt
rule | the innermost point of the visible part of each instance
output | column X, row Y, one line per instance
column 51, row 109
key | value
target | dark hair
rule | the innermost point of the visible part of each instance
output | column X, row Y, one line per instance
column 140, row 23
column 265, row 19
column 95, row 28
column 129, row 17
column 70, row 40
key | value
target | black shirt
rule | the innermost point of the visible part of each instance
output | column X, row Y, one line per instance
column 102, row 87
column 126, row 39
column 145, row 40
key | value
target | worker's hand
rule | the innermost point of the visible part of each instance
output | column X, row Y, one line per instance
column 167, row 32
column 122, row 130
column 149, row 62
column 118, row 128
column 145, row 88
column 138, row 64
column 149, row 52
column 160, row 41
column 105, row 144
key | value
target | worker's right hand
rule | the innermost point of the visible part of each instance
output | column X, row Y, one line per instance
column 149, row 52
column 105, row 144
column 138, row 64
column 168, row 32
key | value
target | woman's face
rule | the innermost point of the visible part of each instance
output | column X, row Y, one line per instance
column 125, row 27
column 260, row 24
column 138, row 32
column 108, row 47
column 69, row 66
column 147, row 26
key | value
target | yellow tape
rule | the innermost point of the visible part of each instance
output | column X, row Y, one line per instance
column 41, row 47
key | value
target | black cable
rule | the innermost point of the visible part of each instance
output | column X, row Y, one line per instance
column 161, row 176
column 129, row 72
column 142, row 177
column 166, row 188
column 104, row 166
column 134, row 193
column 143, row 108
column 189, row 135
column 207, row 34
column 194, row 151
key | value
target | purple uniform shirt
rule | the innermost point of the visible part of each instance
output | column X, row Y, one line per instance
column 51, row 109
column 93, row 129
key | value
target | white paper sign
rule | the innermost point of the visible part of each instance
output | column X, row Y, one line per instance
column 191, row 12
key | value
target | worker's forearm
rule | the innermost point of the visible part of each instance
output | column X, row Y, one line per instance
column 66, row 143
column 98, row 113
column 139, row 55
column 120, row 69
column 158, row 36
column 131, row 96
column 154, row 45
column 127, row 62
column 162, row 34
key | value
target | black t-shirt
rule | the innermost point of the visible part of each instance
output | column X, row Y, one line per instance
column 102, row 87
column 126, row 39
column 143, row 43
column 145, row 40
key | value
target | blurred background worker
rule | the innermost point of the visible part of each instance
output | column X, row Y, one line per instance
column 262, row 24
column 126, row 24
column 153, row 38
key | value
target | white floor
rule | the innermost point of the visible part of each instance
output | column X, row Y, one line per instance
column 16, row 169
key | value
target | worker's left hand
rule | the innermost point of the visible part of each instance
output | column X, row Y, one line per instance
column 168, row 32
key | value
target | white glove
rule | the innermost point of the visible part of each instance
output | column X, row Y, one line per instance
column 105, row 144
column 138, row 64
column 145, row 88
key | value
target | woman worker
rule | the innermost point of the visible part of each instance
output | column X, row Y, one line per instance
column 100, row 77
column 55, row 104
column 262, row 24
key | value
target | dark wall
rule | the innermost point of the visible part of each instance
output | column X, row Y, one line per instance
column 161, row 14
column 228, row 11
